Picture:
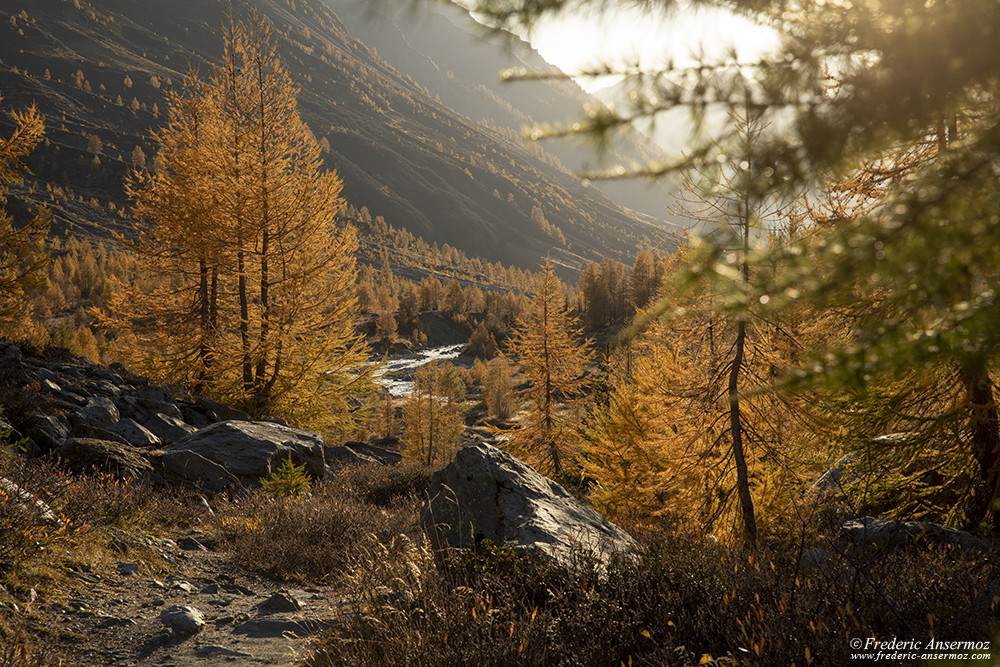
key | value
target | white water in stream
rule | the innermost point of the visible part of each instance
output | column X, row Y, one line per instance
column 397, row 374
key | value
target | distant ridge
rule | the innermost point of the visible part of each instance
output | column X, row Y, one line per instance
column 98, row 70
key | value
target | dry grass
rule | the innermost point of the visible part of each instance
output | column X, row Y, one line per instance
column 682, row 602
column 318, row 536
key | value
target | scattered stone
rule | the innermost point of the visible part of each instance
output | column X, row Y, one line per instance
column 183, row 620
column 487, row 494
column 209, row 651
column 47, row 432
column 152, row 400
column 191, row 544
column 176, row 583
column 127, row 569
column 833, row 480
column 50, row 386
column 340, row 456
column 222, row 412
column 81, row 430
column 383, row 456
column 203, row 504
column 280, row 603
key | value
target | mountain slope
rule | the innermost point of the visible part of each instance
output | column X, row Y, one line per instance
column 99, row 72
column 444, row 50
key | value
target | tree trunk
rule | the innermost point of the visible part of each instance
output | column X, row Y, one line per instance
column 736, row 429
column 984, row 426
column 244, row 318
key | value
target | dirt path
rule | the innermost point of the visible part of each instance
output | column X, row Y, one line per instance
column 114, row 613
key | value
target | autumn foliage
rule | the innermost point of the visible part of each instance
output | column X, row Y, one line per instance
column 255, row 296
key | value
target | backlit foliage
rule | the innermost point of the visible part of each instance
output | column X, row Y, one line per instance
column 254, row 298
column 22, row 246
column 553, row 359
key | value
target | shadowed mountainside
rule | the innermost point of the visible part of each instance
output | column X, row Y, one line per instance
column 99, row 72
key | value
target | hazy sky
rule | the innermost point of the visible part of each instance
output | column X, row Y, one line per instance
column 577, row 42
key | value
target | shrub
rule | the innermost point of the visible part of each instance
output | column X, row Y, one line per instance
column 319, row 537
column 288, row 480
column 680, row 602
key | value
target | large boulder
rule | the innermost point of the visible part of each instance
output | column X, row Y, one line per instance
column 487, row 494
column 247, row 451
column 168, row 428
column 195, row 469
column 99, row 411
column 83, row 454
column 135, row 433
column 48, row 432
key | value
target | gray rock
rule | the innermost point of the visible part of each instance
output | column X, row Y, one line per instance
column 99, row 411
column 833, row 480
column 194, row 416
column 857, row 535
column 135, row 433
column 30, row 503
column 49, row 433
column 108, row 376
column 167, row 428
column 127, row 569
column 9, row 354
column 183, row 620
column 96, row 433
column 813, row 559
column 222, row 412
column 340, row 456
column 487, row 494
column 50, row 386
column 151, row 400
column 280, row 603
column 276, row 627
column 84, row 454
column 384, row 456
column 191, row 544
column 252, row 450
column 196, row 469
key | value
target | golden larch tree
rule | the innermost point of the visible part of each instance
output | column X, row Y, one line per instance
column 553, row 358
column 23, row 257
column 256, row 299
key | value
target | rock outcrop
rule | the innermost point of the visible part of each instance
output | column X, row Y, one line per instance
column 97, row 418
column 247, row 451
column 487, row 494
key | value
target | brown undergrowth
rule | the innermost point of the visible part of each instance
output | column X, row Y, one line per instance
column 683, row 601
